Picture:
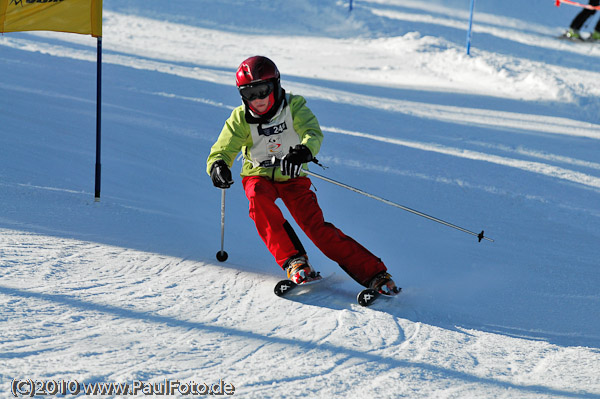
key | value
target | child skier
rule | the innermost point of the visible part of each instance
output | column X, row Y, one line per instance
column 277, row 134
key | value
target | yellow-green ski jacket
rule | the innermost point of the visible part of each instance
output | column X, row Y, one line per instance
column 293, row 124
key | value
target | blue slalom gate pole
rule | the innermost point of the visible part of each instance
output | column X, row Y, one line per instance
column 470, row 27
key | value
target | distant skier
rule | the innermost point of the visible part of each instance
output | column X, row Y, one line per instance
column 277, row 133
column 574, row 30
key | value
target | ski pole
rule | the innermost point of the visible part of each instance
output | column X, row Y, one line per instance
column 480, row 236
column 222, row 255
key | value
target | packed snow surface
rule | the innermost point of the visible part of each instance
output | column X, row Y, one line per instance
column 127, row 290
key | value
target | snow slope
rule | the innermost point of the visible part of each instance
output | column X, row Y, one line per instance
column 128, row 289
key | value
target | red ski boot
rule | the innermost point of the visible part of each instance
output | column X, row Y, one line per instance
column 384, row 284
column 299, row 270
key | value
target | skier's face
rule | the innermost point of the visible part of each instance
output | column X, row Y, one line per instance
column 260, row 105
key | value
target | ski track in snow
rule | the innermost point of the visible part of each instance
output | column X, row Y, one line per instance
column 460, row 115
column 512, row 29
column 77, row 305
column 106, row 300
column 534, row 167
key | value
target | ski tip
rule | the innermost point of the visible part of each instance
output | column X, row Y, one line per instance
column 283, row 286
column 367, row 296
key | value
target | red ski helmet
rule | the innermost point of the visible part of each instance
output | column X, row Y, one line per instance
column 254, row 70
column 258, row 77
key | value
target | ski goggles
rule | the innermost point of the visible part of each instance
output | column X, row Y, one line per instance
column 256, row 91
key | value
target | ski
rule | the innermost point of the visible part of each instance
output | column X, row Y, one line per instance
column 587, row 40
column 368, row 296
column 570, row 39
column 283, row 287
column 365, row 297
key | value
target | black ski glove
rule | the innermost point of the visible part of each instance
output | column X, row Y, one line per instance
column 220, row 174
column 291, row 163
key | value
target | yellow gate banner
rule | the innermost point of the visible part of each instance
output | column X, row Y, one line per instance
column 74, row 16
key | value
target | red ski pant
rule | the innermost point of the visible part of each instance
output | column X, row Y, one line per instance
column 301, row 201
